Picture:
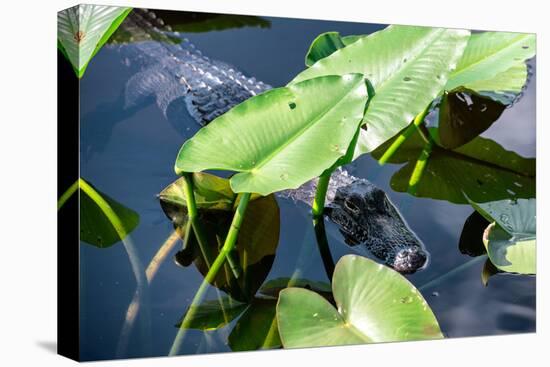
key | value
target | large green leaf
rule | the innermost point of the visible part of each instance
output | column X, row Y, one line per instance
column 325, row 44
column 282, row 138
column 83, row 29
column 374, row 304
column 481, row 169
column 96, row 228
column 494, row 61
column 256, row 243
column 511, row 238
column 407, row 66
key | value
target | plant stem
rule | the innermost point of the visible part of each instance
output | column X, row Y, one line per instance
column 405, row 134
column 318, row 205
column 419, row 168
column 213, row 271
column 324, row 249
column 192, row 211
column 67, row 194
column 135, row 262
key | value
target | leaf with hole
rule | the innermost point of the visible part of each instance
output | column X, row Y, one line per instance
column 282, row 138
column 373, row 304
column 407, row 67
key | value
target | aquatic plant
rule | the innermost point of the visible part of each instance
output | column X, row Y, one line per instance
column 84, row 29
column 373, row 304
column 510, row 239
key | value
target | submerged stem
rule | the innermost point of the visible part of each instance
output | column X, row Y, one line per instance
column 420, row 167
column 322, row 245
column 405, row 134
column 213, row 271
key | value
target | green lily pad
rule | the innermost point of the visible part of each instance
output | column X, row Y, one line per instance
column 293, row 134
column 481, row 170
column 83, row 29
column 374, row 304
column 96, row 228
column 407, row 67
column 511, row 238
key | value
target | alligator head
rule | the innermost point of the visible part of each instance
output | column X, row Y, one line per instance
column 367, row 218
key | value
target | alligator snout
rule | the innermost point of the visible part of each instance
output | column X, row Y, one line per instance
column 409, row 260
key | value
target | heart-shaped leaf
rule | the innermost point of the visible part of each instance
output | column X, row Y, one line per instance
column 282, row 138
column 481, row 169
column 374, row 304
column 83, row 29
column 511, row 238
column 407, row 66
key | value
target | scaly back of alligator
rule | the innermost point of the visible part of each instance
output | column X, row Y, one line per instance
column 172, row 70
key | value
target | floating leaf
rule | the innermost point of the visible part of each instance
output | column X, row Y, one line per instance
column 493, row 59
column 464, row 115
column 480, row 169
column 407, row 66
column 256, row 243
column 292, row 134
column 84, row 29
column 95, row 226
column 256, row 328
column 374, row 304
column 214, row 314
column 511, row 239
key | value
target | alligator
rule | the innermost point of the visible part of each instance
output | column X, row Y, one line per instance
column 171, row 72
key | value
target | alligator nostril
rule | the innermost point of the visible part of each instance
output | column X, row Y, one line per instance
column 409, row 260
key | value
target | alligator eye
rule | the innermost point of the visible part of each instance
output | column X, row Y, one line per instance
column 352, row 204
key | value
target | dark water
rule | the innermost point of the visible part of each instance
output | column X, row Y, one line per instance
column 129, row 154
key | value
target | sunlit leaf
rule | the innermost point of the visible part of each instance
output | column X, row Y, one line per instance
column 511, row 239
column 492, row 60
column 407, row 67
column 83, row 29
column 325, row 44
column 374, row 304
column 282, row 138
